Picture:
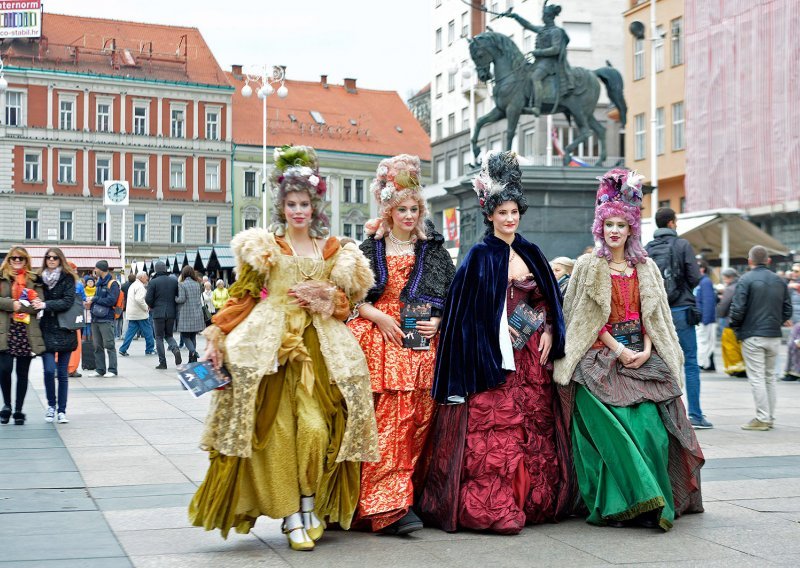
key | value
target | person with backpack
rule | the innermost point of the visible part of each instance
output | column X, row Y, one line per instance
column 101, row 306
column 676, row 260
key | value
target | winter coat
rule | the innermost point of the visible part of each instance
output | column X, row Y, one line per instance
column 724, row 306
column 161, row 293
column 135, row 306
column 689, row 269
column 190, row 306
column 587, row 308
column 57, row 300
column 760, row 305
column 7, row 312
column 707, row 301
column 219, row 296
column 105, row 297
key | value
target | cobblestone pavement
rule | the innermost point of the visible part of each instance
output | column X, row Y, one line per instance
column 110, row 489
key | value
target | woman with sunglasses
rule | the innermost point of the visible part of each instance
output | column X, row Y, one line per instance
column 20, row 336
column 59, row 296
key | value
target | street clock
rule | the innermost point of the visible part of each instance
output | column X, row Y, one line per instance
column 116, row 194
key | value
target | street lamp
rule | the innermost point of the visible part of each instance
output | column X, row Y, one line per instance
column 264, row 77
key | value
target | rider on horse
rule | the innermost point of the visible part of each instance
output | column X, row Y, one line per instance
column 550, row 55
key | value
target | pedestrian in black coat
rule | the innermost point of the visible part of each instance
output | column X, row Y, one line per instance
column 161, row 293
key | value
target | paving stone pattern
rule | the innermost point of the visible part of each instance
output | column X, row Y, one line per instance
column 111, row 488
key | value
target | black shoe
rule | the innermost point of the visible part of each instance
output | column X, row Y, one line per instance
column 5, row 414
column 177, row 353
column 648, row 520
column 193, row 356
column 75, row 374
column 788, row 378
column 161, row 366
column 616, row 524
column 19, row 418
column 124, row 353
column 406, row 525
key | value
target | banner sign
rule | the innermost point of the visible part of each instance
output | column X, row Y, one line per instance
column 451, row 219
column 20, row 18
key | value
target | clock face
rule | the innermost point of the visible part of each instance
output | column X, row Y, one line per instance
column 116, row 193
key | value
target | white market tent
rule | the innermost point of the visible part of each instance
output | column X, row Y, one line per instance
column 722, row 233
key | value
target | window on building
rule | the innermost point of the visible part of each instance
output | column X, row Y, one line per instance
column 527, row 42
column 347, row 230
column 659, row 49
column 465, row 118
column 451, row 32
column 66, row 114
column 466, row 159
column 347, row 190
column 212, row 176
column 639, row 139
column 580, row 34
column 438, row 39
column 495, row 9
column 250, row 184
column 661, row 135
column 682, row 205
column 65, row 225
column 176, row 228
column 66, row 168
column 177, row 179
column 451, row 81
column 250, row 223
column 359, row 232
column 439, row 132
column 528, row 142
column 437, row 3
column 638, row 59
column 33, row 166
column 178, row 123
column 140, row 119
column 212, row 124
column 31, row 224
column 211, row 230
column 140, row 167
column 102, row 227
column 140, row 227
column 317, row 116
column 103, row 116
column 664, row 203
column 102, row 169
column 14, row 108
column 360, row 191
column 452, row 167
column 441, row 174
column 451, row 124
column 676, row 35
column 678, row 142
column 465, row 24
column 438, row 85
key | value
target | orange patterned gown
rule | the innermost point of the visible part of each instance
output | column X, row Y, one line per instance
column 401, row 381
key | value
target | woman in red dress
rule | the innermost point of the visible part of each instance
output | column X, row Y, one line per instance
column 411, row 266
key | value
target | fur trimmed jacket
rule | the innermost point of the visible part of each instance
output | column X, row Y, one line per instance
column 587, row 308
column 430, row 278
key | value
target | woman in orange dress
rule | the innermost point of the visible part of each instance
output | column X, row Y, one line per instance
column 413, row 270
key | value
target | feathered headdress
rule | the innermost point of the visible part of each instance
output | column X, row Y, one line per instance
column 297, row 169
column 620, row 185
column 483, row 183
column 620, row 195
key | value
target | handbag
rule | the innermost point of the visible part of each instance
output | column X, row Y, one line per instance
column 73, row 318
column 206, row 315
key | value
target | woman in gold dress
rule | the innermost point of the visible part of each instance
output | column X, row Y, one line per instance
column 285, row 438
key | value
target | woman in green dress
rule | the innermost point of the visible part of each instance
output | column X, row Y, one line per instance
column 637, row 460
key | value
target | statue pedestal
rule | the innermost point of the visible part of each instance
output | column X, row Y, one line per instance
column 560, row 210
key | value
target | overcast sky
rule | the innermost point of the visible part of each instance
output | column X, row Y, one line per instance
column 384, row 44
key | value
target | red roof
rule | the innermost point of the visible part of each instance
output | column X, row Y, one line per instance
column 84, row 257
column 117, row 48
column 363, row 122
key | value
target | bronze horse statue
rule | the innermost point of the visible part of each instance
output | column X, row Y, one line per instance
column 513, row 90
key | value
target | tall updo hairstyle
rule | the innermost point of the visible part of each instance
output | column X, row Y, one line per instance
column 620, row 195
column 397, row 179
column 297, row 170
column 499, row 180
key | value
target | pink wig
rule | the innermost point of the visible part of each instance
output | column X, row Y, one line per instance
column 396, row 180
column 620, row 195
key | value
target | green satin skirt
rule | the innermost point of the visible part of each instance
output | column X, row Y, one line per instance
column 621, row 458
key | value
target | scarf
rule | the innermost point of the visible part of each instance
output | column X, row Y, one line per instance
column 51, row 277
column 20, row 290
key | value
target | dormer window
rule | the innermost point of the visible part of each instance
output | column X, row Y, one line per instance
column 317, row 116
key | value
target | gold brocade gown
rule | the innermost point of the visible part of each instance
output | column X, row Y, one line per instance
column 297, row 435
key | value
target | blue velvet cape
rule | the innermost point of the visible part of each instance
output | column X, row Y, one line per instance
column 468, row 359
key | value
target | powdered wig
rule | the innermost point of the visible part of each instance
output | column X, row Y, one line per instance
column 620, row 195
column 396, row 180
column 297, row 169
column 499, row 180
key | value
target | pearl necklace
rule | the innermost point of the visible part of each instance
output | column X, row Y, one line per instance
column 401, row 248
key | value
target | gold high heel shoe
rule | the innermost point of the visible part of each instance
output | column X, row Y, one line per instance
column 315, row 533
column 295, row 545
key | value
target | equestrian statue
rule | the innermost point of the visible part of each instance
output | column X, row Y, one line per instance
column 548, row 85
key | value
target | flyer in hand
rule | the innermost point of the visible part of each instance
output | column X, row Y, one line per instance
column 525, row 321
column 201, row 377
column 629, row 333
column 410, row 314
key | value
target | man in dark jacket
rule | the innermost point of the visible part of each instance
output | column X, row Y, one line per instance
column 761, row 305
column 668, row 250
column 101, row 306
column 161, row 293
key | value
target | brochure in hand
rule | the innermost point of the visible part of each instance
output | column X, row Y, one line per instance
column 201, row 377
column 409, row 316
column 629, row 333
column 525, row 320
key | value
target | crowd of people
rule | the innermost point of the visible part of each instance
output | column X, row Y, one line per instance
column 375, row 387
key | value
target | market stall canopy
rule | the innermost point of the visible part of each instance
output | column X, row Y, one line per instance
column 84, row 257
column 706, row 231
column 203, row 256
column 224, row 257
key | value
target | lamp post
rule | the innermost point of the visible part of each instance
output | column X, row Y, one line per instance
column 264, row 77
column 653, row 122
